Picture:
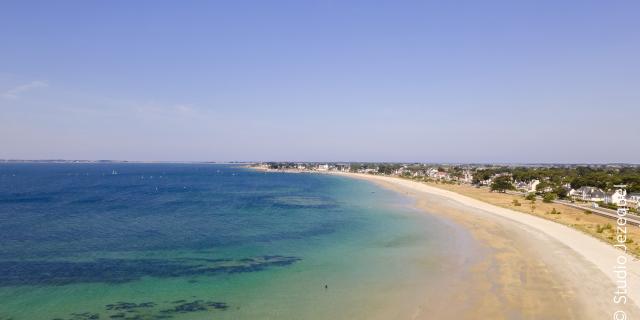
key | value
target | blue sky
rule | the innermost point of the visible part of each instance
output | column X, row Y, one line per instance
column 470, row 81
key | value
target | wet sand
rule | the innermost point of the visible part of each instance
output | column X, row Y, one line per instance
column 529, row 268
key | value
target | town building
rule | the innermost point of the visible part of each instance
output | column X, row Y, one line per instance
column 592, row 194
column 617, row 197
column 527, row 186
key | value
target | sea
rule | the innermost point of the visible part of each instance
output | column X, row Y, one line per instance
column 210, row 241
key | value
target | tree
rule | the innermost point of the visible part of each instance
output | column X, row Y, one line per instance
column 549, row 197
column 560, row 191
column 481, row 175
column 542, row 186
column 502, row 184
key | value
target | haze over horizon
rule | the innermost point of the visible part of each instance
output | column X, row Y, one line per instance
column 490, row 82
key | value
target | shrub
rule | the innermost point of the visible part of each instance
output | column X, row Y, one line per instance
column 516, row 203
column 549, row 197
column 531, row 196
column 588, row 212
column 554, row 211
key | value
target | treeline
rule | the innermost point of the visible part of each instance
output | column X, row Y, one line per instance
column 555, row 178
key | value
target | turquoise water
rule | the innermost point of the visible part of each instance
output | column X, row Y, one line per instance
column 201, row 241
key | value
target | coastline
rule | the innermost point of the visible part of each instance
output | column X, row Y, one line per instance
column 537, row 268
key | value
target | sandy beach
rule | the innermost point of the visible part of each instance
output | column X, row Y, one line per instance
column 531, row 268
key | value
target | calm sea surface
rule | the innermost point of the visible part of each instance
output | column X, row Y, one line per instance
column 198, row 241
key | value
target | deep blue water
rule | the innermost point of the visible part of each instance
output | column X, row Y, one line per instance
column 67, row 210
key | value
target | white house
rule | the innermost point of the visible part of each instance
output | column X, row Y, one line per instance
column 432, row 172
column 400, row 171
column 527, row 186
column 533, row 185
column 633, row 200
column 616, row 197
column 368, row 170
column 441, row 176
column 522, row 186
column 419, row 173
column 467, row 176
column 592, row 194
column 322, row 167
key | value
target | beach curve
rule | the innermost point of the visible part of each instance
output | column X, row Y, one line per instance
column 585, row 255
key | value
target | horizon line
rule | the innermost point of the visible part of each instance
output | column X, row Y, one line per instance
column 332, row 161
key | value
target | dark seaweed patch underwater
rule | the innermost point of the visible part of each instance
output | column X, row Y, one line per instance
column 148, row 310
column 41, row 272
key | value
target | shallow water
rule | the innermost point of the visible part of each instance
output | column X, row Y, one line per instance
column 194, row 241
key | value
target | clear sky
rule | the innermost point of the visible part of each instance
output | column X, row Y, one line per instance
column 432, row 81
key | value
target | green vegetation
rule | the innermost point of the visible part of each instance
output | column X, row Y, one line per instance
column 601, row 177
column 387, row 168
column 607, row 205
column 531, row 197
column 549, row 197
column 354, row 167
column 502, row 184
column 554, row 211
column 600, row 229
column 484, row 174
column 553, row 179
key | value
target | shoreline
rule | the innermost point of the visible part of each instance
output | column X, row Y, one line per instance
column 577, row 279
column 593, row 252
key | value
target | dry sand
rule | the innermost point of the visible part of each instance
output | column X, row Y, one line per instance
column 530, row 268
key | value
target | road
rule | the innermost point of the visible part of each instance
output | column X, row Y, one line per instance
column 604, row 212
column 608, row 213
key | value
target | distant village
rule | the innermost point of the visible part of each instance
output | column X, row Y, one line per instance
column 607, row 186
